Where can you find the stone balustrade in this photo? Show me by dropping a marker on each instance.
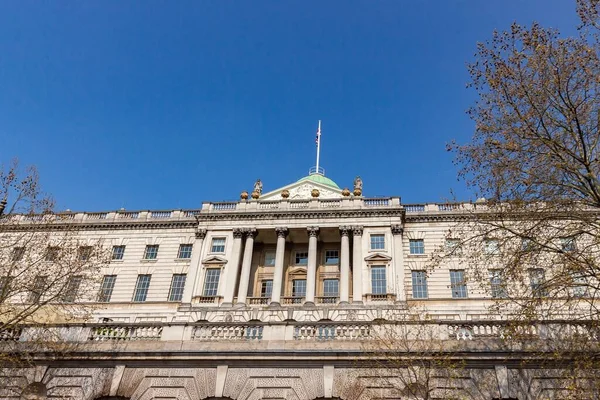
(227, 332)
(114, 332)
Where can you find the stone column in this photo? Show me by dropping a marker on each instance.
(195, 270)
(233, 267)
(311, 270)
(398, 263)
(345, 265)
(246, 265)
(278, 274)
(357, 265)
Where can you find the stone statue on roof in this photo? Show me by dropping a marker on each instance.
(358, 183)
(258, 186)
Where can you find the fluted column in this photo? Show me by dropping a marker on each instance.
(246, 265)
(398, 263)
(195, 270)
(345, 265)
(311, 270)
(278, 274)
(233, 267)
(357, 263)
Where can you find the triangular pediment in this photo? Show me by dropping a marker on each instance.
(378, 257)
(302, 191)
(214, 260)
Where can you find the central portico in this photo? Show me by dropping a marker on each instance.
(309, 243)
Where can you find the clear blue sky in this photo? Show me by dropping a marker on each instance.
(165, 104)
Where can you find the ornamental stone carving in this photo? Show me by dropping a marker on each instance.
(358, 186)
(315, 193)
(200, 233)
(238, 232)
(251, 232)
(313, 231)
(244, 195)
(281, 231)
(397, 229)
(255, 195)
(345, 230)
(258, 186)
(357, 230)
(346, 192)
(285, 194)
(304, 192)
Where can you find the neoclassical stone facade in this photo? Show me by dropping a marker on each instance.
(279, 297)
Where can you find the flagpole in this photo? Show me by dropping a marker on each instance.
(318, 145)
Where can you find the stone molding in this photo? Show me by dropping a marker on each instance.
(200, 233)
(397, 229)
(345, 230)
(238, 233)
(313, 231)
(357, 230)
(281, 231)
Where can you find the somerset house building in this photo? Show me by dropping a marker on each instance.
(280, 295)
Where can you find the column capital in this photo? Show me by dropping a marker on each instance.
(357, 230)
(200, 233)
(345, 230)
(281, 231)
(313, 231)
(397, 229)
(251, 232)
(238, 233)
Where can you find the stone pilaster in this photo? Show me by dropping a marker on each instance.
(278, 274)
(233, 267)
(311, 270)
(345, 264)
(357, 265)
(193, 275)
(398, 263)
(246, 265)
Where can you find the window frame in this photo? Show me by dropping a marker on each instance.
(371, 242)
(105, 292)
(142, 286)
(214, 284)
(71, 289)
(337, 285)
(419, 284)
(264, 285)
(296, 253)
(416, 247)
(337, 258)
(176, 291)
(497, 284)
(118, 252)
(213, 245)
(458, 287)
(265, 258)
(185, 249)
(40, 283)
(296, 293)
(151, 255)
(495, 250)
(536, 283)
(376, 287)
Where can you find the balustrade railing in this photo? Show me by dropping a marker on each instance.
(160, 214)
(449, 207)
(414, 208)
(299, 204)
(125, 333)
(330, 203)
(227, 332)
(206, 299)
(101, 215)
(191, 213)
(332, 332)
(10, 334)
(268, 205)
(381, 297)
(292, 300)
(129, 215)
(224, 206)
(326, 299)
(377, 202)
(258, 300)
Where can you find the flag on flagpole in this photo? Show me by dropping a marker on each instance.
(318, 135)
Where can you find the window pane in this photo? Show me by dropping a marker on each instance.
(211, 282)
(378, 280)
(266, 288)
(185, 251)
(270, 258)
(299, 287)
(536, 280)
(301, 258)
(490, 246)
(118, 252)
(108, 284)
(39, 286)
(417, 246)
(567, 244)
(332, 257)
(331, 287)
(177, 286)
(377, 242)
(419, 284)
(84, 253)
(497, 284)
(218, 245)
(151, 252)
(141, 288)
(457, 284)
(70, 292)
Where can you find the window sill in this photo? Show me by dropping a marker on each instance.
(417, 255)
(148, 261)
(116, 261)
(182, 260)
(377, 250)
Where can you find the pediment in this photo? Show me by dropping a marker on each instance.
(214, 260)
(378, 257)
(302, 191)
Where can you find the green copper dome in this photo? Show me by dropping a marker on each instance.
(318, 178)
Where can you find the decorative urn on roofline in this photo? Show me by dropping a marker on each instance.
(244, 195)
(315, 193)
(285, 193)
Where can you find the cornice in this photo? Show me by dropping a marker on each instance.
(121, 225)
(302, 214)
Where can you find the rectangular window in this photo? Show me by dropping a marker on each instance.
(141, 288)
(84, 253)
(567, 244)
(266, 288)
(211, 282)
(579, 286)
(218, 245)
(177, 286)
(453, 246)
(18, 253)
(378, 280)
(39, 286)
(108, 284)
(269, 258)
(332, 257)
(52, 253)
(419, 285)
(185, 251)
(331, 287)
(299, 288)
(118, 252)
(70, 292)
(378, 242)
(536, 281)
(526, 244)
(458, 284)
(490, 246)
(301, 258)
(417, 246)
(498, 286)
(151, 252)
